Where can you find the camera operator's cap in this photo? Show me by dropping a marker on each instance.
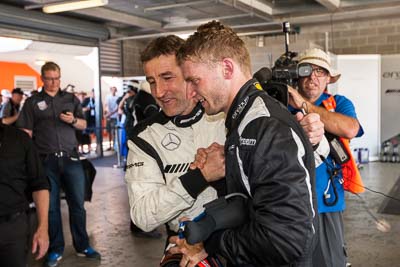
(320, 58)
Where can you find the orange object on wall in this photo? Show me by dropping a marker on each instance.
(8, 71)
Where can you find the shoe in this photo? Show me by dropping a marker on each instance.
(52, 259)
(152, 234)
(89, 253)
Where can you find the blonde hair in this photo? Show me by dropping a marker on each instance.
(213, 42)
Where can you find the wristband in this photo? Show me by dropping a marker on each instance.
(74, 121)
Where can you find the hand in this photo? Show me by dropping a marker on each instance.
(200, 159)
(106, 114)
(191, 254)
(312, 126)
(211, 162)
(295, 99)
(201, 156)
(67, 117)
(40, 243)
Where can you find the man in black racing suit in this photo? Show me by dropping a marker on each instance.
(268, 158)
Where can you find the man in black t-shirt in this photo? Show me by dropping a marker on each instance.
(21, 175)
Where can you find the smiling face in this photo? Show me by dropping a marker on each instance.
(207, 84)
(313, 86)
(168, 86)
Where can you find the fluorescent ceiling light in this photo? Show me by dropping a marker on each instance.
(13, 44)
(67, 6)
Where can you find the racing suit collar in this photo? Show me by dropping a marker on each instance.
(239, 104)
(188, 120)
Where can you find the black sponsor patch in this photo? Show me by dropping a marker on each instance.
(136, 164)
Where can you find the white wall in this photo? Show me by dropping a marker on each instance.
(390, 100)
(360, 82)
(74, 70)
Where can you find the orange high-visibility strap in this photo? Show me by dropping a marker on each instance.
(351, 175)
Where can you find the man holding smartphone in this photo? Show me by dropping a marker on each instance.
(51, 118)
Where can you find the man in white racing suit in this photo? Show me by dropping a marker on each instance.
(161, 186)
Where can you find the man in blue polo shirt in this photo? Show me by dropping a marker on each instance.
(341, 124)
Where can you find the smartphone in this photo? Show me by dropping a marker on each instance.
(65, 111)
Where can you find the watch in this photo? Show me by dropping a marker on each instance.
(75, 120)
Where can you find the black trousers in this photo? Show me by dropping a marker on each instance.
(13, 241)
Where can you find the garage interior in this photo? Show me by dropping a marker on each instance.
(363, 34)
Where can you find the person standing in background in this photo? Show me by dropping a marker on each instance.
(111, 115)
(10, 111)
(51, 118)
(89, 110)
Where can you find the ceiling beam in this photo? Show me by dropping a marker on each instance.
(351, 14)
(117, 16)
(247, 9)
(257, 5)
(33, 21)
(187, 33)
(169, 6)
(198, 22)
(332, 5)
(343, 15)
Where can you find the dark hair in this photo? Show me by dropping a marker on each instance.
(49, 66)
(165, 45)
(132, 88)
(17, 91)
(213, 42)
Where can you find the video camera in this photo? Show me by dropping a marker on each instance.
(286, 71)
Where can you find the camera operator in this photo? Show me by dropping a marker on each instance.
(340, 120)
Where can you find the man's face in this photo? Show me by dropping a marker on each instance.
(51, 80)
(16, 98)
(313, 86)
(208, 84)
(113, 90)
(168, 86)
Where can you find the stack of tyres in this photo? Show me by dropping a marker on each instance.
(387, 150)
(390, 150)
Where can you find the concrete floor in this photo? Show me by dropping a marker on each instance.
(108, 223)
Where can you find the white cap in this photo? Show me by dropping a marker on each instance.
(6, 93)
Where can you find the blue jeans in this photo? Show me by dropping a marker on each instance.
(68, 174)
